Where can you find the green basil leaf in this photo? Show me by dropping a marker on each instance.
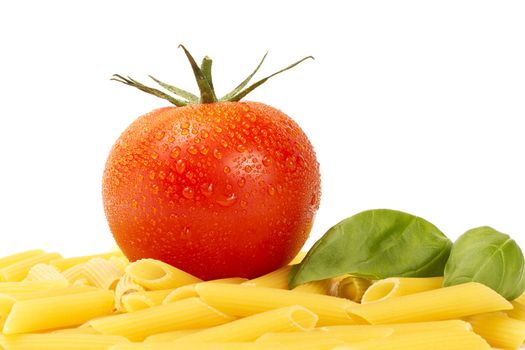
(490, 257)
(376, 244)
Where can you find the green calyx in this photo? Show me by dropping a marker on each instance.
(204, 82)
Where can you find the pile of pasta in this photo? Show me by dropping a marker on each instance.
(103, 301)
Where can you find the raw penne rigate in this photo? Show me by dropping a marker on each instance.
(103, 301)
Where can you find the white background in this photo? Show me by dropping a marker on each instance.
(411, 105)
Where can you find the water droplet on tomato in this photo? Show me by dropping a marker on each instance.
(267, 161)
(207, 189)
(248, 168)
(204, 150)
(185, 125)
(134, 203)
(241, 182)
(175, 152)
(155, 188)
(271, 190)
(160, 135)
(184, 132)
(187, 192)
(192, 150)
(204, 134)
(243, 204)
(151, 175)
(154, 155)
(227, 170)
(162, 175)
(217, 154)
(227, 201)
(180, 166)
(171, 177)
(241, 148)
(291, 163)
(217, 129)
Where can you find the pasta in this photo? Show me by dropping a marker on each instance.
(13, 259)
(242, 300)
(499, 330)
(30, 286)
(154, 275)
(101, 273)
(438, 304)
(316, 287)
(398, 328)
(395, 287)
(60, 341)
(170, 336)
(141, 300)
(18, 270)
(45, 272)
(189, 291)
(274, 279)
(57, 311)
(124, 287)
(439, 339)
(352, 288)
(184, 314)
(348, 334)
(66, 263)
(518, 311)
(293, 318)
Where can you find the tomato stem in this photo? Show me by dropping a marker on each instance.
(204, 80)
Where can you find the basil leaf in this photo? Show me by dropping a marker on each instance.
(376, 244)
(490, 257)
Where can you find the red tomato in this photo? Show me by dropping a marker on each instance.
(217, 189)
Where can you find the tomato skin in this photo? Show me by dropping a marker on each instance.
(217, 190)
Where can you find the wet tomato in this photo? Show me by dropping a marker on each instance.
(215, 188)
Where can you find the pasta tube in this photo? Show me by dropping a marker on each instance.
(57, 311)
(352, 288)
(434, 305)
(274, 279)
(124, 287)
(18, 270)
(141, 300)
(348, 334)
(242, 300)
(66, 263)
(499, 330)
(184, 314)
(189, 291)
(395, 287)
(292, 318)
(398, 328)
(154, 275)
(13, 259)
(101, 273)
(316, 287)
(518, 312)
(170, 336)
(60, 341)
(45, 272)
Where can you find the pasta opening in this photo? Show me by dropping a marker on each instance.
(132, 302)
(303, 319)
(380, 290)
(359, 320)
(144, 269)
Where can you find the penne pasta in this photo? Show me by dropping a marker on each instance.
(60, 341)
(398, 286)
(124, 287)
(13, 259)
(499, 330)
(30, 286)
(75, 273)
(120, 262)
(316, 287)
(154, 275)
(184, 314)
(101, 273)
(274, 279)
(243, 300)
(298, 258)
(57, 311)
(45, 272)
(170, 336)
(399, 328)
(77, 330)
(351, 287)
(141, 300)
(292, 318)
(18, 271)
(348, 334)
(66, 263)
(518, 311)
(189, 291)
(434, 305)
(450, 340)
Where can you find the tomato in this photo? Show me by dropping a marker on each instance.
(216, 189)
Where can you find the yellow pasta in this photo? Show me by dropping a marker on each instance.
(348, 334)
(124, 287)
(398, 328)
(141, 300)
(184, 314)
(60, 341)
(101, 273)
(45, 272)
(31, 286)
(298, 258)
(75, 273)
(77, 330)
(18, 270)
(189, 291)
(57, 311)
(351, 287)
(518, 312)
(242, 300)
(292, 318)
(316, 287)
(120, 262)
(450, 340)
(154, 274)
(13, 259)
(274, 279)
(499, 330)
(321, 344)
(434, 305)
(170, 336)
(66, 263)
(398, 286)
